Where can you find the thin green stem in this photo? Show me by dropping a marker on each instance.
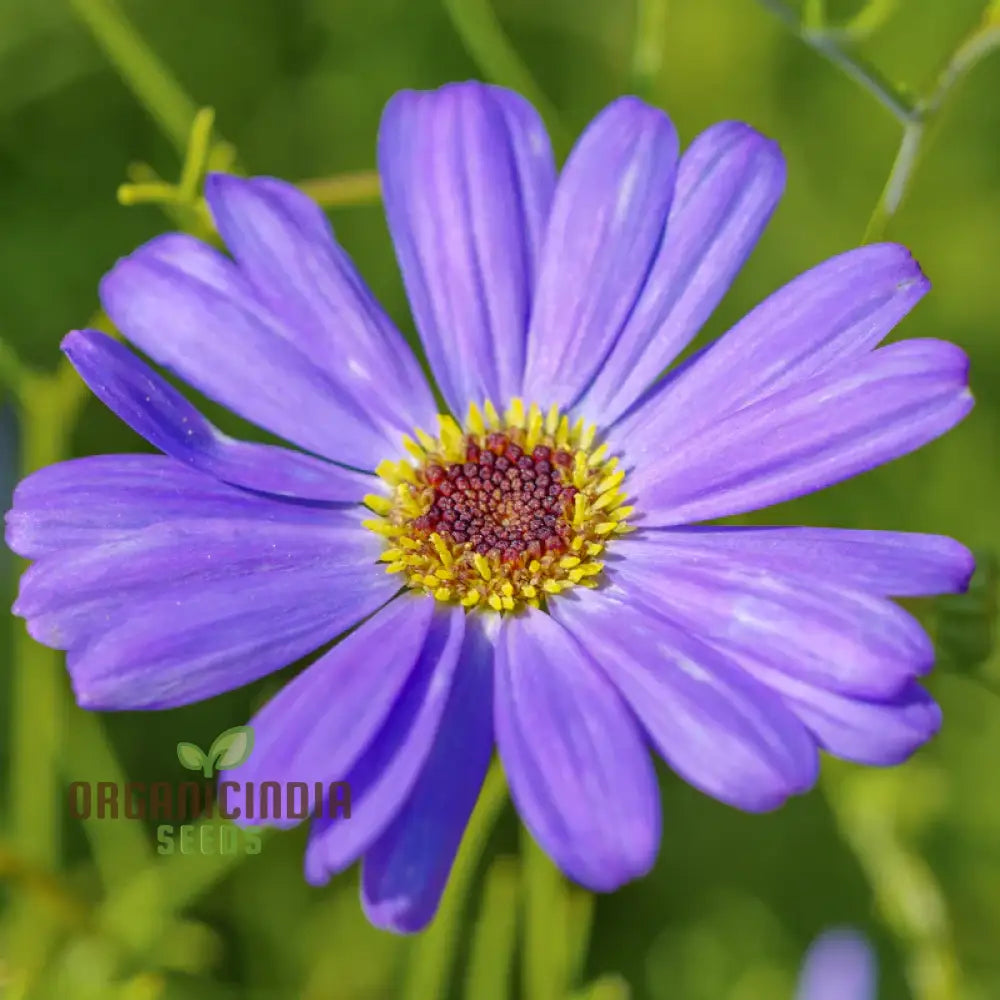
(433, 953)
(196, 155)
(358, 188)
(145, 74)
(648, 45)
(919, 118)
(897, 183)
(487, 43)
(832, 46)
(546, 925)
(495, 935)
(871, 18)
(38, 695)
(580, 920)
(918, 134)
(979, 44)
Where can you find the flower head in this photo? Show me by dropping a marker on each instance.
(488, 553)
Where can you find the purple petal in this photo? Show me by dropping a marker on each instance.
(840, 966)
(192, 311)
(467, 176)
(87, 502)
(404, 873)
(155, 410)
(383, 778)
(717, 727)
(878, 733)
(318, 726)
(889, 563)
(536, 169)
(286, 250)
(607, 221)
(728, 184)
(183, 610)
(833, 314)
(843, 640)
(577, 769)
(814, 434)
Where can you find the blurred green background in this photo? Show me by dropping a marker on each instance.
(911, 856)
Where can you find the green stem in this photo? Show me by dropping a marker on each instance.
(433, 953)
(196, 155)
(141, 69)
(495, 935)
(648, 45)
(358, 188)
(918, 134)
(580, 921)
(546, 925)
(897, 183)
(484, 38)
(38, 695)
(831, 45)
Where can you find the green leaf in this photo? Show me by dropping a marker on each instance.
(190, 756)
(231, 748)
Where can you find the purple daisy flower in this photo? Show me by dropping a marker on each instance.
(525, 569)
(840, 965)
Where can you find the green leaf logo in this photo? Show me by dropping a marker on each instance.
(228, 750)
(231, 748)
(190, 756)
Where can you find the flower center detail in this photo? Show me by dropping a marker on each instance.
(502, 512)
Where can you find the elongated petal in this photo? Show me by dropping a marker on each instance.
(467, 176)
(890, 563)
(405, 871)
(87, 502)
(578, 772)
(809, 436)
(840, 966)
(826, 317)
(607, 220)
(155, 410)
(728, 184)
(205, 325)
(717, 727)
(383, 778)
(183, 610)
(287, 252)
(318, 726)
(878, 733)
(840, 639)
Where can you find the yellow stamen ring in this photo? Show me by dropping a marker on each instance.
(502, 512)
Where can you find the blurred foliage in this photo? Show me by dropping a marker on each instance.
(94, 94)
